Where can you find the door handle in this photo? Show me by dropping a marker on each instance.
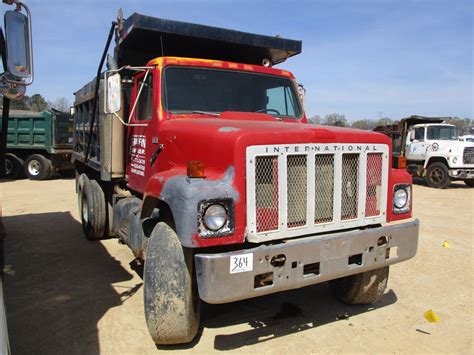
(156, 153)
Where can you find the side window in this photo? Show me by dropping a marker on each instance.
(420, 134)
(144, 110)
(281, 99)
(289, 99)
(275, 100)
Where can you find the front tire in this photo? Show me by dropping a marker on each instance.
(37, 167)
(92, 208)
(437, 176)
(364, 288)
(172, 305)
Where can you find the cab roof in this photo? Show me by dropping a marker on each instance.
(415, 120)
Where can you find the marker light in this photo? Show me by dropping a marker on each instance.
(195, 169)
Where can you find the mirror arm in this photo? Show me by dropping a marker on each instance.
(138, 96)
(130, 124)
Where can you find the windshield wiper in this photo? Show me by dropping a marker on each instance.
(216, 114)
(207, 113)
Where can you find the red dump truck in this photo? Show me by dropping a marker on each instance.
(195, 151)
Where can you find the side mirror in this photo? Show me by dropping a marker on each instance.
(18, 45)
(113, 93)
(412, 135)
(302, 92)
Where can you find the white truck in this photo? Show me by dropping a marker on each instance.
(432, 150)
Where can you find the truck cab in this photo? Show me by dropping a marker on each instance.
(202, 162)
(437, 148)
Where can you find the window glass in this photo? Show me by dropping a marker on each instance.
(442, 133)
(420, 133)
(144, 110)
(213, 90)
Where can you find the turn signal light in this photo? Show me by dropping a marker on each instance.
(400, 162)
(195, 169)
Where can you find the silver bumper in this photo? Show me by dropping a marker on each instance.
(306, 261)
(463, 173)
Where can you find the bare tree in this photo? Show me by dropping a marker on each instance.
(335, 119)
(61, 104)
(316, 119)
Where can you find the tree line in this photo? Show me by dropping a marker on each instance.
(38, 103)
(336, 119)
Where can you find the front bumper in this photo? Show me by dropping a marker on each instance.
(308, 260)
(463, 173)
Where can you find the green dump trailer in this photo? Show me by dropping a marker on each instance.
(39, 144)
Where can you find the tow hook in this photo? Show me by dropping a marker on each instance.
(278, 260)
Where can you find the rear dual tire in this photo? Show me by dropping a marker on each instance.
(13, 166)
(38, 167)
(92, 208)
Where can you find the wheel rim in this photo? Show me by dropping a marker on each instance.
(85, 211)
(437, 175)
(8, 166)
(34, 167)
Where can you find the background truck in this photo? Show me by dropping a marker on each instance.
(39, 144)
(196, 153)
(432, 150)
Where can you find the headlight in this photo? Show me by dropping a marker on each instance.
(455, 160)
(401, 198)
(215, 217)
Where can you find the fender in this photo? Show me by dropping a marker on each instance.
(182, 194)
(435, 158)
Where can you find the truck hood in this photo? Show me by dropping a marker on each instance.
(220, 142)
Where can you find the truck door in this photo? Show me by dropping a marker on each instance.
(416, 144)
(141, 132)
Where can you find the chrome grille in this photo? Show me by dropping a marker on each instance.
(373, 184)
(350, 186)
(303, 189)
(266, 193)
(296, 190)
(468, 156)
(324, 188)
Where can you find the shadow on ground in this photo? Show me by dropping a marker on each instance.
(57, 285)
(458, 184)
(274, 316)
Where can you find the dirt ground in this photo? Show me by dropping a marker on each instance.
(67, 295)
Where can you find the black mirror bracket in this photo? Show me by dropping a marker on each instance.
(10, 88)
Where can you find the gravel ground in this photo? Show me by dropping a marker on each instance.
(67, 295)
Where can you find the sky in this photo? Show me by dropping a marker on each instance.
(364, 59)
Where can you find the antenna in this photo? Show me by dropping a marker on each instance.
(162, 50)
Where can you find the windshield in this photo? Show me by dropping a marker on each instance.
(202, 90)
(442, 132)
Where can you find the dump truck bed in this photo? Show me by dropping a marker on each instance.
(49, 130)
(142, 38)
